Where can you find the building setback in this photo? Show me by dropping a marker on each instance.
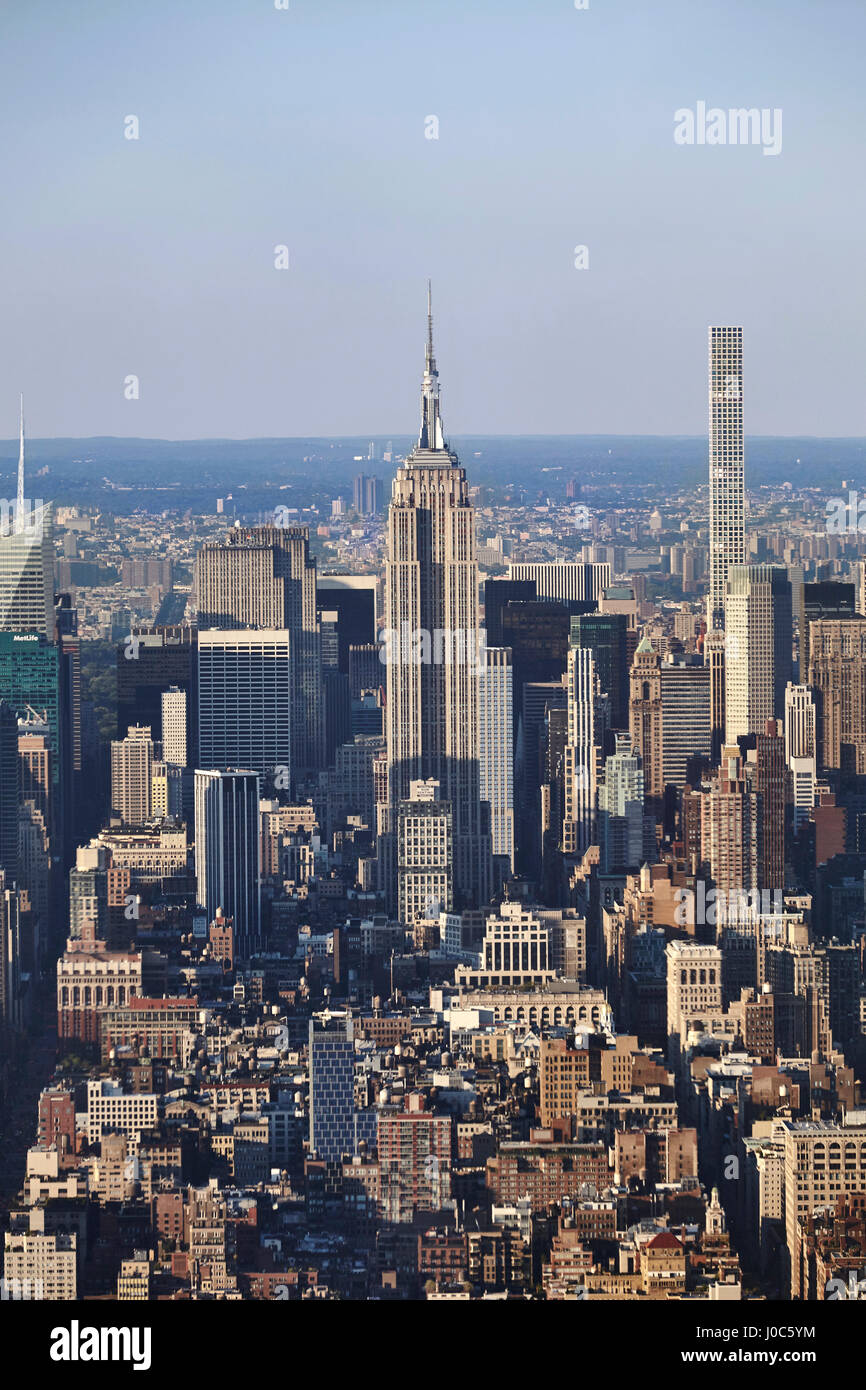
(264, 577)
(431, 587)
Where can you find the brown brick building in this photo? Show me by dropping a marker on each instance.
(546, 1172)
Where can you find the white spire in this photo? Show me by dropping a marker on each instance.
(431, 436)
(19, 509)
(430, 358)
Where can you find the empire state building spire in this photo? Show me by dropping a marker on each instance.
(431, 436)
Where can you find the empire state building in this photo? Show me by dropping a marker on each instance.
(433, 654)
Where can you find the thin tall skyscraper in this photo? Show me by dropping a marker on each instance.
(767, 771)
(729, 827)
(646, 722)
(621, 810)
(432, 632)
(332, 1094)
(26, 559)
(10, 780)
(727, 482)
(579, 825)
(714, 657)
(497, 748)
(227, 853)
(801, 749)
(174, 726)
(686, 731)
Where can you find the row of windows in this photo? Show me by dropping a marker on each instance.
(94, 998)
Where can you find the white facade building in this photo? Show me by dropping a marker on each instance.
(495, 731)
(174, 748)
(758, 647)
(726, 460)
(554, 579)
(245, 701)
(580, 754)
(801, 752)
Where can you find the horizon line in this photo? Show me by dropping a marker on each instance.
(371, 437)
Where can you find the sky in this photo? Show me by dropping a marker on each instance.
(307, 128)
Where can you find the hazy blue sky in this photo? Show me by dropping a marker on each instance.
(261, 127)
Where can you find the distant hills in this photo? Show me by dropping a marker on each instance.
(157, 474)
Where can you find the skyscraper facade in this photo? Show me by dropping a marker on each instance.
(579, 827)
(414, 1164)
(726, 458)
(34, 760)
(332, 1088)
(264, 577)
(714, 657)
(174, 726)
(578, 580)
(227, 858)
(801, 750)
(729, 828)
(621, 810)
(9, 790)
(495, 729)
(606, 636)
(758, 647)
(498, 593)
(245, 701)
(837, 675)
(431, 586)
(367, 494)
(646, 724)
(425, 854)
(151, 660)
(686, 733)
(824, 601)
(30, 679)
(131, 773)
(26, 561)
(353, 598)
(537, 700)
(769, 779)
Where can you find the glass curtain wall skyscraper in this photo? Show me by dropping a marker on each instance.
(227, 857)
(244, 701)
(26, 560)
(264, 577)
